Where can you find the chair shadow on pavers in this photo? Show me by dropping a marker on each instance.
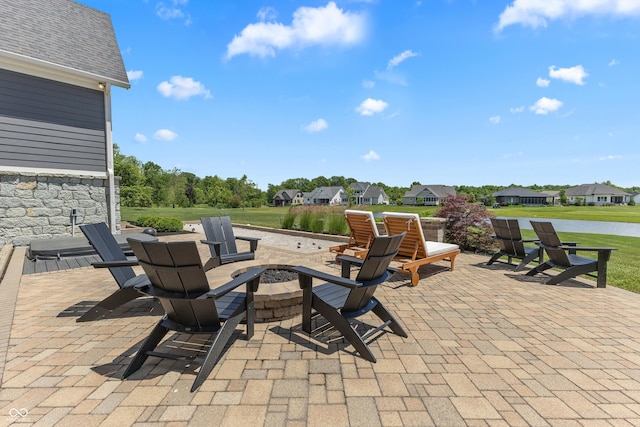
(119, 265)
(222, 242)
(177, 278)
(341, 300)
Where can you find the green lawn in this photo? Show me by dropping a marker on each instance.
(624, 266)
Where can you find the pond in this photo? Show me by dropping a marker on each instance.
(580, 226)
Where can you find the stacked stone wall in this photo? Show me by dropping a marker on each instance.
(39, 206)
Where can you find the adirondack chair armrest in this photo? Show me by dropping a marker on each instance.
(588, 248)
(251, 277)
(253, 242)
(216, 245)
(306, 275)
(110, 264)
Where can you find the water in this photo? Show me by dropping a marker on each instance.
(592, 227)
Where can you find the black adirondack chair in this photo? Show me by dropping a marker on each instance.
(177, 278)
(563, 256)
(511, 244)
(114, 258)
(222, 242)
(341, 300)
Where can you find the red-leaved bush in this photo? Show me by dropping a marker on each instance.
(468, 224)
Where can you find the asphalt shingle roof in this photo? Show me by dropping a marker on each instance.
(63, 33)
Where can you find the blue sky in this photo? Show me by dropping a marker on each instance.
(455, 92)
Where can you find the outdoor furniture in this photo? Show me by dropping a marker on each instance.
(511, 243)
(563, 256)
(120, 267)
(222, 242)
(341, 300)
(363, 230)
(177, 278)
(415, 251)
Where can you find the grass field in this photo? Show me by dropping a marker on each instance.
(623, 268)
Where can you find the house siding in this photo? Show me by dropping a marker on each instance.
(50, 125)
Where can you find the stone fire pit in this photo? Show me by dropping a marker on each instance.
(279, 296)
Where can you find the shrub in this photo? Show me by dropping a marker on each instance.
(289, 219)
(336, 223)
(468, 224)
(160, 224)
(317, 222)
(305, 220)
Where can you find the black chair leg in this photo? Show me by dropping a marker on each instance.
(539, 268)
(386, 316)
(217, 346)
(107, 305)
(149, 344)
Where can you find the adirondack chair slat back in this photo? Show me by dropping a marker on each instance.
(362, 226)
(413, 245)
(373, 270)
(548, 237)
(219, 229)
(509, 236)
(175, 268)
(100, 237)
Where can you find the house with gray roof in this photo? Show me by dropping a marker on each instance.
(366, 194)
(288, 198)
(331, 196)
(520, 196)
(59, 60)
(596, 195)
(427, 195)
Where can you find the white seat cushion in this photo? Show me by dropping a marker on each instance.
(437, 248)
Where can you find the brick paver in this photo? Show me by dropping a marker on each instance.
(486, 346)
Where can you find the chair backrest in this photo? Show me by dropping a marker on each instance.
(549, 238)
(509, 236)
(219, 229)
(100, 237)
(413, 245)
(175, 271)
(373, 271)
(363, 227)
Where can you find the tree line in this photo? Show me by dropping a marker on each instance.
(148, 184)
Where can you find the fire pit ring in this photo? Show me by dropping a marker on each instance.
(279, 296)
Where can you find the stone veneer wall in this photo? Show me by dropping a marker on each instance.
(38, 206)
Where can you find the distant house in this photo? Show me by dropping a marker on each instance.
(553, 197)
(58, 62)
(636, 198)
(331, 196)
(288, 198)
(597, 195)
(366, 194)
(520, 196)
(427, 195)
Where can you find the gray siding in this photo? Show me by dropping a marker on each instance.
(47, 124)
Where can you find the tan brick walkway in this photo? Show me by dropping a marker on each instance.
(486, 346)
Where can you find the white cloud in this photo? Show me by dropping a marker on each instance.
(371, 155)
(542, 82)
(545, 105)
(134, 75)
(535, 13)
(140, 137)
(613, 62)
(267, 14)
(610, 157)
(572, 75)
(396, 60)
(494, 120)
(316, 126)
(179, 87)
(327, 25)
(368, 84)
(173, 11)
(370, 106)
(165, 135)
(515, 110)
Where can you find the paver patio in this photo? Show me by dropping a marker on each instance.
(486, 346)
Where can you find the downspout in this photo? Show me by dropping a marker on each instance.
(110, 167)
